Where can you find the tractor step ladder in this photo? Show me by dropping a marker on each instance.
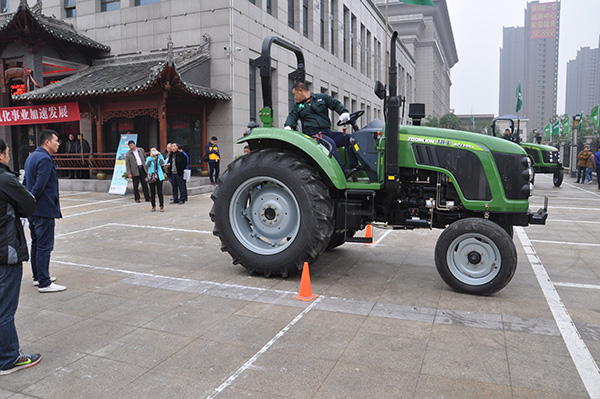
(362, 196)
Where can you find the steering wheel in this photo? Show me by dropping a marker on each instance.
(353, 118)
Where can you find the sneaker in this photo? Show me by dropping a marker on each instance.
(590, 182)
(36, 283)
(53, 288)
(24, 361)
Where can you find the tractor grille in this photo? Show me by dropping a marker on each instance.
(511, 170)
(551, 156)
(534, 154)
(463, 164)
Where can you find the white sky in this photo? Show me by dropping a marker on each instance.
(477, 27)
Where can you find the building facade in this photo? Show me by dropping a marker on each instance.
(583, 81)
(343, 42)
(530, 55)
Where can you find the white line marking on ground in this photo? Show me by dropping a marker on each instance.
(566, 198)
(75, 193)
(91, 203)
(585, 244)
(573, 208)
(81, 231)
(581, 189)
(578, 285)
(376, 243)
(253, 359)
(571, 221)
(97, 210)
(584, 362)
(160, 228)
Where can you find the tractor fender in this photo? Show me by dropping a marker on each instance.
(299, 143)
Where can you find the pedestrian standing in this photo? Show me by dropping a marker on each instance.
(214, 160)
(590, 166)
(155, 163)
(15, 202)
(82, 147)
(136, 170)
(597, 161)
(42, 182)
(187, 172)
(582, 158)
(71, 148)
(178, 162)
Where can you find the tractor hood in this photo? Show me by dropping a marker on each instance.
(539, 146)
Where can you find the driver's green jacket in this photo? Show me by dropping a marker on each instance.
(314, 113)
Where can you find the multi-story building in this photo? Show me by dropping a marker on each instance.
(530, 55)
(199, 56)
(583, 81)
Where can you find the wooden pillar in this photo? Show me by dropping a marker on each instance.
(99, 140)
(204, 133)
(162, 121)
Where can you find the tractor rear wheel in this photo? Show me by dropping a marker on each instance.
(476, 256)
(558, 177)
(338, 238)
(272, 212)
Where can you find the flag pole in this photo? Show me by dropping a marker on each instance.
(386, 40)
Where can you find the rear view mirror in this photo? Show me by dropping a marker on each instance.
(380, 90)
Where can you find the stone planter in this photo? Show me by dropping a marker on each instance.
(101, 176)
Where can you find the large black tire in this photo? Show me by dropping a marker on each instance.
(475, 256)
(557, 179)
(272, 212)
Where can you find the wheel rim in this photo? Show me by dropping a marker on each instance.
(264, 215)
(474, 259)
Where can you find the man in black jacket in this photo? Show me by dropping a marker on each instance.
(15, 203)
(178, 163)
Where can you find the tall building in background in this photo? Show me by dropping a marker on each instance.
(583, 81)
(530, 55)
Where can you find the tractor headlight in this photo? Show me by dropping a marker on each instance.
(526, 161)
(527, 189)
(527, 174)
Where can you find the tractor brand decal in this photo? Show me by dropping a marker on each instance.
(441, 142)
(464, 145)
(421, 140)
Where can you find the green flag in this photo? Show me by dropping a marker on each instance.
(519, 97)
(547, 130)
(555, 128)
(473, 122)
(565, 126)
(594, 116)
(418, 2)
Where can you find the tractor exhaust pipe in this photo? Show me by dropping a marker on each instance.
(392, 122)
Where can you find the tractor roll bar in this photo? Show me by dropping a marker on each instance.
(264, 63)
(392, 121)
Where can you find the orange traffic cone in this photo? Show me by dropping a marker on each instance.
(305, 293)
(369, 234)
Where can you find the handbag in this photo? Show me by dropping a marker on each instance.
(153, 177)
(206, 158)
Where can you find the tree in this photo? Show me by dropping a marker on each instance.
(451, 121)
(432, 121)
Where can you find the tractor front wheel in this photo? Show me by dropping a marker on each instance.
(272, 212)
(558, 177)
(475, 256)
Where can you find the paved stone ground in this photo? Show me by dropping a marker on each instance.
(155, 310)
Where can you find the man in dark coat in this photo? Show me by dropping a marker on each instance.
(135, 161)
(42, 182)
(15, 202)
(178, 163)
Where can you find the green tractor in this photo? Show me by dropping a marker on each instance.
(545, 158)
(288, 201)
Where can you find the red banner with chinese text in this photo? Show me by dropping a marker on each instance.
(36, 114)
(544, 20)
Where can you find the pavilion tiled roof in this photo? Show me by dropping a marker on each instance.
(52, 26)
(130, 74)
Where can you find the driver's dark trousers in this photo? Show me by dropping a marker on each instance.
(343, 140)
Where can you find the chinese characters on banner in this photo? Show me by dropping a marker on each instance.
(544, 20)
(36, 114)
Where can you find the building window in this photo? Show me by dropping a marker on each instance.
(70, 11)
(4, 6)
(333, 23)
(252, 78)
(144, 2)
(305, 18)
(110, 5)
(252, 1)
(291, 15)
(346, 35)
(269, 7)
(322, 22)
